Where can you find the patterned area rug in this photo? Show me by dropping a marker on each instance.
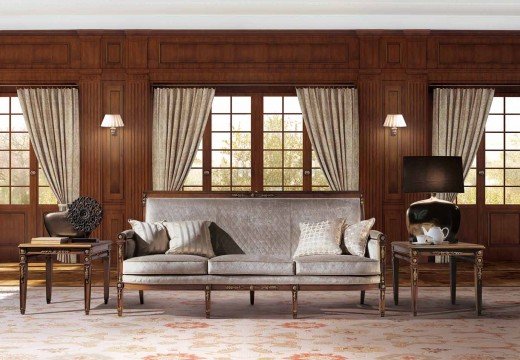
(332, 326)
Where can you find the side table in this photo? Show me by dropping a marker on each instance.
(410, 252)
(91, 251)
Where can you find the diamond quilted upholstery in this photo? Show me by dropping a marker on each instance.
(164, 264)
(250, 265)
(268, 226)
(336, 265)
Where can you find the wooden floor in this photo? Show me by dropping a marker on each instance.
(495, 274)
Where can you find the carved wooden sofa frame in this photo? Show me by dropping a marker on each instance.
(126, 236)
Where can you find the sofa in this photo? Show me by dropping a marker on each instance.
(254, 239)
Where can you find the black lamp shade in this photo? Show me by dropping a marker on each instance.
(433, 174)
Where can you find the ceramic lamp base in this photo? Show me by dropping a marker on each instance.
(433, 212)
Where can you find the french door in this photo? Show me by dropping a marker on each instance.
(490, 205)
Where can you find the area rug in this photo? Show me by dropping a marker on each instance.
(332, 326)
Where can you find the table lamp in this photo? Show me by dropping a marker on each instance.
(433, 174)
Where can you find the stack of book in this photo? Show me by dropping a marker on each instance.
(49, 240)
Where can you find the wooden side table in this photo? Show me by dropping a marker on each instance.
(411, 252)
(91, 251)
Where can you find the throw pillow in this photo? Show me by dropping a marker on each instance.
(320, 238)
(355, 237)
(222, 242)
(190, 238)
(150, 238)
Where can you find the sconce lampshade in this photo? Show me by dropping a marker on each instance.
(112, 121)
(394, 121)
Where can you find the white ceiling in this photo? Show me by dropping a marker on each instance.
(260, 14)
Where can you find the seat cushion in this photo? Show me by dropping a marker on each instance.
(243, 264)
(165, 264)
(336, 265)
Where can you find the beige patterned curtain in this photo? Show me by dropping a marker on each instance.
(179, 118)
(52, 119)
(332, 121)
(459, 120)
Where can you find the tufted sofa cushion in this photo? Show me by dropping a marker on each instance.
(163, 264)
(336, 265)
(241, 264)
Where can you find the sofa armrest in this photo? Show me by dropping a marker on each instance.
(376, 240)
(126, 243)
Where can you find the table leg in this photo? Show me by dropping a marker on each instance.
(395, 278)
(453, 279)
(479, 264)
(23, 280)
(106, 276)
(48, 278)
(414, 277)
(87, 283)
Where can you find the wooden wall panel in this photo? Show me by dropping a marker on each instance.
(14, 225)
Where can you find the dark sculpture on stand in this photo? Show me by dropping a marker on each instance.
(82, 217)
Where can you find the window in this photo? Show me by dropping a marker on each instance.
(501, 151)
(255, 142)
(16, 157)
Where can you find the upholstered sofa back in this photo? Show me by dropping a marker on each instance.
(257, 225)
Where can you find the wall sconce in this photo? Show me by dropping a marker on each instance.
(112, 121)
(394, 121)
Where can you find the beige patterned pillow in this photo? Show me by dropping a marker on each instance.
(190, 238)
(151, 238)
(320, 238)
(355, 237)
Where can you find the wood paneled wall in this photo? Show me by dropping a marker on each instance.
(115, 72)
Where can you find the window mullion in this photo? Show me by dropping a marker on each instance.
(307, 161)
(206, 157)
(257, 146)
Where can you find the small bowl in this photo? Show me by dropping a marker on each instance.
(424, 239)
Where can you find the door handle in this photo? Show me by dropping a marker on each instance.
(481, 172)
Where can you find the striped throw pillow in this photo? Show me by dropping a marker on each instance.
(151, 238)
(190, 238)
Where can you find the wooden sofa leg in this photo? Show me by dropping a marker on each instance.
(362, 297)
(252, 297)
(120, 287)
(207, 293)
(382, 300)
(295, 301)
(141, 296)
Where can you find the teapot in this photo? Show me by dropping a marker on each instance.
(436, 233)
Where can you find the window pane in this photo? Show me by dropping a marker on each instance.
(513, 105)
(241, 159)
(495, 123)
(471, 178)
(494, 195)
(45, 196)
(293, 123)
(291, 105)
(494, 177)
(220, 123)
(192, 188)
(220, 177)
(512, 122)
(197, 162)
(194, 178)
(273, 123)
(4, 195)
(469, 197)
(4, 159)
(42, 180)
(494, 159)
(241, 177)
(293, 141)
(241, 140)
(220, 188)
(513, 141)
(4, 122)
(20, 195)
(318, 178)
(512, 159)
(4, 105)
(272, 177)
(4, 141)
(20, 141)
(273, 141)
(18, 123)
(497, 106)
(494, 141)
(272, 104)
(241, 123)
(4, 177)
(220, 159)
(20, 177)
(293, 177)
(241, 104)
(20, 159)
(273, 159)
(15, 106)
(221, 140)
(293, 159)
(512, 195)
(513, 177)
(221, 104)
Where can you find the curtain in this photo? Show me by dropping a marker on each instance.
(459, 120)
(52, 119)
(332, 121)
(179, 118)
